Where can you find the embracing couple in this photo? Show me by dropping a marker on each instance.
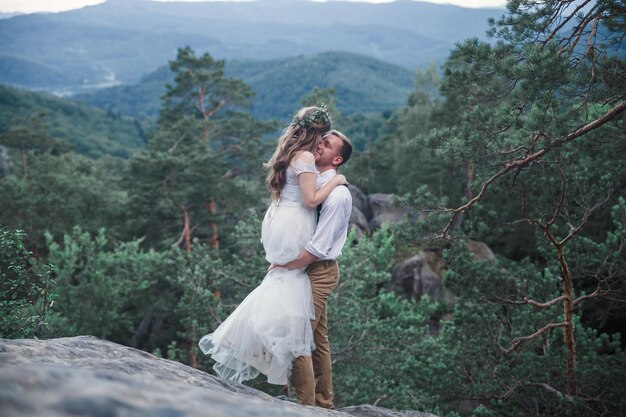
(280, 328)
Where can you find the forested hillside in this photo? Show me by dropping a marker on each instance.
(514, 146)
(361, 85)
(90, 131)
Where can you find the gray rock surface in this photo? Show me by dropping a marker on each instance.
(415, 277)
(371, 411)
(360, 201)
(423, 272)
(358, 222)
(481, 251)
(384, 211)
(86, 376)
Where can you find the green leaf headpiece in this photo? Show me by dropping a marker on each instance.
(318, 117)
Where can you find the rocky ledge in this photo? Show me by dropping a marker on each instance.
(86, 376)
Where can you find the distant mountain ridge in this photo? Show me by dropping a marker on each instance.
(120, 40)
(362, 84)
(8, 15)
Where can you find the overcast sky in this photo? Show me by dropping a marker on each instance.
(30, 6)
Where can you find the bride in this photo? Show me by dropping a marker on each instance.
(271, 326)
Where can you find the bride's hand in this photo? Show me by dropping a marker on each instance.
(341, 179)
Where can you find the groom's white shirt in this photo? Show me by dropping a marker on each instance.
(332, 227)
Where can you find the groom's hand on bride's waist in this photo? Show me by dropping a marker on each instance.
(302, 261)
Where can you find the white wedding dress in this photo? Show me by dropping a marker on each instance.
(271, 326)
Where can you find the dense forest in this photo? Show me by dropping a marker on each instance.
(88, 131)
(363, 84)
(143, 229)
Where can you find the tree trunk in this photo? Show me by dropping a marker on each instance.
(214, 243)
(469, 177)
(568, 330)
(186, 231)
(205, 114)
(193, 359)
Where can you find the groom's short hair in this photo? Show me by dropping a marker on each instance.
(346, 149)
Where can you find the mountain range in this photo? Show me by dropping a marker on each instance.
(362, 84)
(119, 41)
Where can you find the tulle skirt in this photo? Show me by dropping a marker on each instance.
(272, 325)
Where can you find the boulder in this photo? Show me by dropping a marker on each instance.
(384, 211)
(359, 223)
(481, 251)
(90, 377)
(416, 276)
(422, 273)
(360, 201)
(379, 203)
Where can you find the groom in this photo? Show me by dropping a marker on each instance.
(311, 375)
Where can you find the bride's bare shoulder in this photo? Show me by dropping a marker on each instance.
(304, 156)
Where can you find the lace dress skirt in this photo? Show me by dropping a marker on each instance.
(271, 326)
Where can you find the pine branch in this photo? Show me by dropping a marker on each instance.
(551, 390)
(524, 161)
(565, 21)
(526, 301)
(519, 341)
(597, 293)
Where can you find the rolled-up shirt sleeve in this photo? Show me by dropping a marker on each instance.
(332, 226)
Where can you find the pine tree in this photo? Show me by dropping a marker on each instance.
(540, 126)
(205, 151)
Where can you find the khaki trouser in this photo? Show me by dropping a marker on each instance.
(312, 375)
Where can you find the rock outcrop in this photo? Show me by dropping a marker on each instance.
(90, 377)
(423, 272)
(370, 212)
(359, 201)
(384, 211)
(420, 275)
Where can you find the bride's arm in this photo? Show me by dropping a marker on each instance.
(311, 196)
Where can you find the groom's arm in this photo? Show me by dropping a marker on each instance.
(304, 259)
(330, 232)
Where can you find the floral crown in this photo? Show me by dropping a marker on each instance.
(320, 116)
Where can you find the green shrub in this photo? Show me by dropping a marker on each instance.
(25, 295)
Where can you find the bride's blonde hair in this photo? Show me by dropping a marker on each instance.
(300, 135)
